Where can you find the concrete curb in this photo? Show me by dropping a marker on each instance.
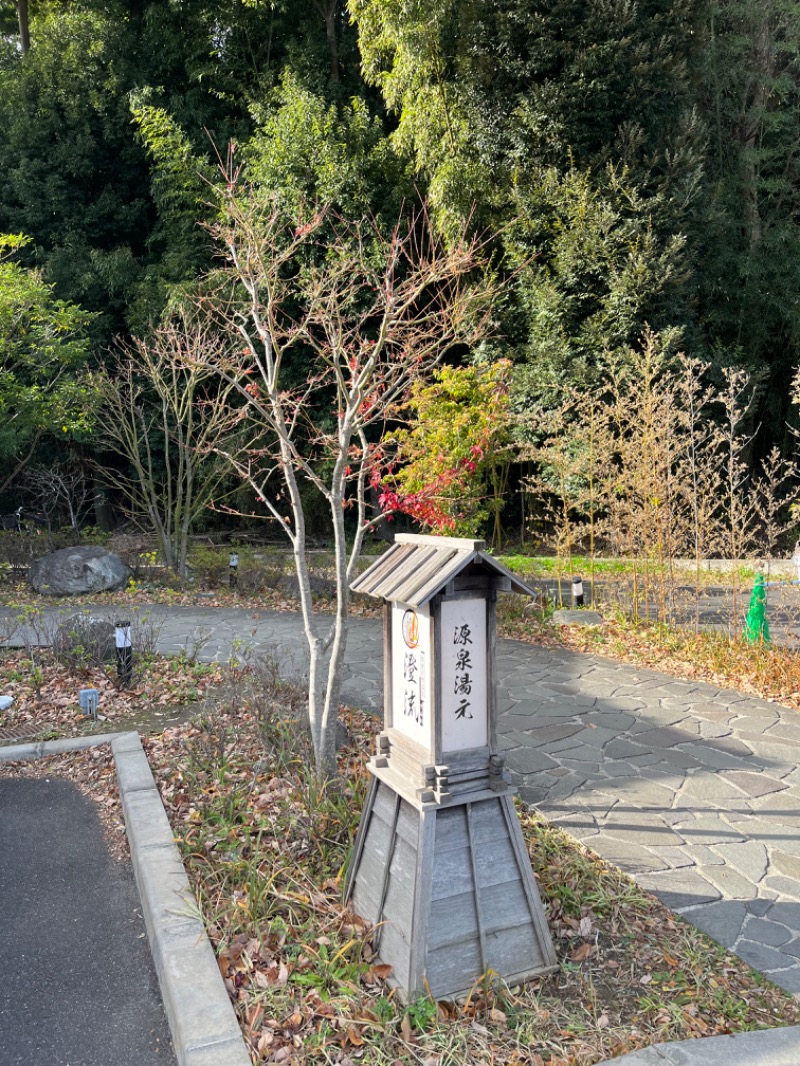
(40, 749)
(204, 1028)
(766, 1047)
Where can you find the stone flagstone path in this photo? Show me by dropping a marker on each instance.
(692, 790)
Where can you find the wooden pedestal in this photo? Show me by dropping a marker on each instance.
(450, 890)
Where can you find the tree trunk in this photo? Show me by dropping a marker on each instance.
(752, 126)
(24, 26)
(329, 9)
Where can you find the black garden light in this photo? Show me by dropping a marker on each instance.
(122, 637)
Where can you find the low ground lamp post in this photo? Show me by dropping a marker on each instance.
(122, 640)
(439, 865)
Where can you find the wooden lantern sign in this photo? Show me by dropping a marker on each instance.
(439, 865)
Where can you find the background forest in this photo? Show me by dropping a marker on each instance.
(629, 170)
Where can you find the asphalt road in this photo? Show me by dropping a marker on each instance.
(77, 984)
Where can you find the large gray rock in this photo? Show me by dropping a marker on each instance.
(75, 571)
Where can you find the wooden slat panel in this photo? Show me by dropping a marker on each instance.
(403, 867)
(422, 898)
(451, 829)
(514, 830)
(398, 907)
(452, 874)
(401, 586)
(453, 968)
(514, 950)
(370, 581)
(378, 838)
(395, 950)
(496, 862)
(451, 565)
(478, 903)
(408, 824)
(504, 906)
(452, 920)
(384, 803)
(428, 569)
(488, 821)
(459, 762)
(361, 836)
(367, 888)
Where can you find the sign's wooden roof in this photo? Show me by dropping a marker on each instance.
(416, 568)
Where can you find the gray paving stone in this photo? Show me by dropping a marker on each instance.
(730, 883)
(661, 737)
(758, 907)
(761, 956)
(526, 760)
(618, 721)
(783, 810)
(712, 730)
(595, 736)
(711, 755)
(789, 981)
(712, 711)
(675, 757)
(562, 709)
(762, 931)
(648, 759)
(635, 860)
(539, 736)
(526, 708)
(676, 858)
(749, 858)
(702, 855)
(583, 753)
(785, 913)
(639, 827)
(628, 705)
(784, 731)
(784, 886)
(623, 748)
(644, 793)
(702, 785)
(707, 829)
(722, 921)
(786, 864)
(680, 889)
(752, 784)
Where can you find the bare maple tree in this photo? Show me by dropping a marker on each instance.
(164, 413)
(334, 321)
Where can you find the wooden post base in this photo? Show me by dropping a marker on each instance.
(450, 890)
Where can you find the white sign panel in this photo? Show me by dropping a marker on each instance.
(463, 687)
(411, 672)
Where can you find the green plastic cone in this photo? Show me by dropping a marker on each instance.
(756, 626)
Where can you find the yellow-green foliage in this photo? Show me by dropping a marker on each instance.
(455, 455)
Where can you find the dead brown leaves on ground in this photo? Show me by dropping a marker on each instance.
(46, 693)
